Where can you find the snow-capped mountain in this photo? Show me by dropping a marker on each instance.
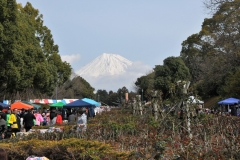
(111, 72)
(105, 64)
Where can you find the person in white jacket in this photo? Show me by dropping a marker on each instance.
(81, 120)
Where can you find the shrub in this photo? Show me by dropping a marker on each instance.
(67, 149)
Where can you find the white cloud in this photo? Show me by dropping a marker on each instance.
(71, 58)
(114, 82)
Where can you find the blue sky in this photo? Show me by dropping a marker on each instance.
(139, 30)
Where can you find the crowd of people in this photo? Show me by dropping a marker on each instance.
(13, 121)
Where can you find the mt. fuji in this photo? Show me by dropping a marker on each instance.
(106, 64)
(111, 72)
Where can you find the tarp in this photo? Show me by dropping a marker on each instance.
(229, 101)
(4, 105)
(20, 105)
(91, 101)
(58, 104)
(192, 99)
(77, 103)
(51, 101)
(35, 106)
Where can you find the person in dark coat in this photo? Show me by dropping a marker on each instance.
(53, 113)
(21, 115)
(2, 113)
(3, 127)
(65, 114)
(28, 120)
(90, 112)
(72, 118)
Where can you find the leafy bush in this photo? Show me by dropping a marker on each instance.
(67, 149)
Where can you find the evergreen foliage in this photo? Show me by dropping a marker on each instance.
(29, 58)
(164, 77)
(77, 88)
(214, 53)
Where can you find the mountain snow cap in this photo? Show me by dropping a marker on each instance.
(105, 64)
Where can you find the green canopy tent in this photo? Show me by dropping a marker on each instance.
(58, 104)
(35, 106)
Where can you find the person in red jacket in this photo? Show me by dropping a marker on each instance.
(59, 118)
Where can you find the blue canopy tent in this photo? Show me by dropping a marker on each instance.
(5, 106)
(91, 101)
(80, 103)
(77, 104)
(229, 101)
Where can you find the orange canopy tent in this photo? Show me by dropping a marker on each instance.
(20, 105)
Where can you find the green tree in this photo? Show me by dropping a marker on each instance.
(145, 83)
(113, 99)
(10, 59)
(195, 54)
(102, 96)
(29, 58)
(122, 93)
(214, 52)
(232, 85)
(214, 5)
(168, 74)
(77, 88)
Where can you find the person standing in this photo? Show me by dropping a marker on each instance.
(82, 120)
(7, 119)
(21, 115)
(65, 116)
(44, 123)
(72, 117)
(3, 127)
(14, 121)
(53, 116)
(28, 120)
(2, 113)
(59, 118)
(39, 118)
(48, 117)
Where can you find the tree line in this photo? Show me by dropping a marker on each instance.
(209, 59)
(78, 88)
(30, 62)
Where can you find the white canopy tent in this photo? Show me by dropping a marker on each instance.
(192, 99)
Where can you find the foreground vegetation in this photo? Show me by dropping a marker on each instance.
(120, 135)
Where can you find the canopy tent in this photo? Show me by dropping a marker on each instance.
(20, 105)
(78, 103)
(58, 104)
(229, 101)
(35, 106)
(91, 101)
(5, 106)
(192, 99)
(52, 101)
